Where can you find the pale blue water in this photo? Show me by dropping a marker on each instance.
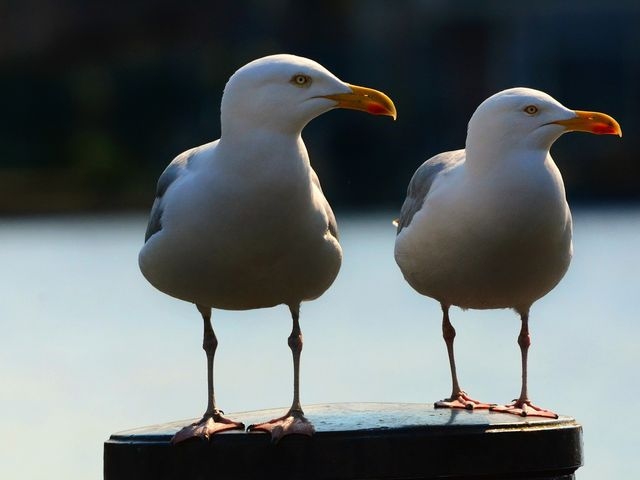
(88, 348)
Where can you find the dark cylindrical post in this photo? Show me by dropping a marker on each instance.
(359, 441)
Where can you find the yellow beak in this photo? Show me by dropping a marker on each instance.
(366, 100)
(592, 122)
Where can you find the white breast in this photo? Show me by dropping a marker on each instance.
(241, 237)
(493, 240)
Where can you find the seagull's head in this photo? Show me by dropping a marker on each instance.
(524, 118)
(284, 92)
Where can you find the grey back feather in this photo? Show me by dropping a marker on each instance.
(422, 181)
(173, 171)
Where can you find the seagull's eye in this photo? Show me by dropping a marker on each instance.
(531, 109)
(300, 80)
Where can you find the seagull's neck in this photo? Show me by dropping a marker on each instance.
(502, 153)
(270, 151)
(260, 139)
(486, 149)
(242, 124)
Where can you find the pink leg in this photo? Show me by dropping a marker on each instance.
(294, 421)
(212, 421)
(522, 405)
(458, 398)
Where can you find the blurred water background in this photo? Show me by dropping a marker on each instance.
(96, 99)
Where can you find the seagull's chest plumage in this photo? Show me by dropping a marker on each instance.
(495, 238)
(244, 230)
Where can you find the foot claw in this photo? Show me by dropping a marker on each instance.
(462, 400)
(524, 408)
(210, 424)
(292, 423)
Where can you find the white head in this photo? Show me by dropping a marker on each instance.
(526, 119)
(284, 92)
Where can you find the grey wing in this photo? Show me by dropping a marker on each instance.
(421, 182)
(173, 171)
(333, 225)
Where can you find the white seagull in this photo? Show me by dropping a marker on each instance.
(242, 223)
(489, 226)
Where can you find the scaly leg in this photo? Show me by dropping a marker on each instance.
(212, 421)
(458, 398)
(522, 405)
(294, 421)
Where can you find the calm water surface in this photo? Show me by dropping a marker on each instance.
(88, 348)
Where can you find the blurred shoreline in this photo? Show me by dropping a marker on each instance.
(97, 100)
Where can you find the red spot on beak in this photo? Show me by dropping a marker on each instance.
(603, 129)
(376, 109)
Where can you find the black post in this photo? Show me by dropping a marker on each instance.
(359, 441)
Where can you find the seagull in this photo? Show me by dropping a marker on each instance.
(489, 226)
(241, 223)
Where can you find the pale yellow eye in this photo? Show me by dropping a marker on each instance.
(531, 109)
(301, 80)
